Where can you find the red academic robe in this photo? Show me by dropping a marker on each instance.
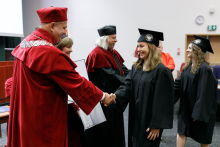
(168, 60)
(42, 78)
(107, 71)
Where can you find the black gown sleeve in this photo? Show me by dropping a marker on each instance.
(177, 88)
(125, 69)
(162, 107)
(206, 96)
(123, 93)
(108, 78)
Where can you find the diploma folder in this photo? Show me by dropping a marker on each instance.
(96, 116)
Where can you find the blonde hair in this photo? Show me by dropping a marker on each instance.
(199, 57)
(154, 58)
(101, 42)
(65, 42)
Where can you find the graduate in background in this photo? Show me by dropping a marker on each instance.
(197, 90)
(76, 135)
(149, 89)
(167, 59)
(42, 78)
(106, 70)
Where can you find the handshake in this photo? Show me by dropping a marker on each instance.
(109, 99)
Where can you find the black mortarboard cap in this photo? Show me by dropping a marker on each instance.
(149, 36)
(203, 44)
(107, 30)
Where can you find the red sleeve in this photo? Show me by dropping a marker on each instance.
(170, 64)
(100, 58)
(82, 91)
(8, 86)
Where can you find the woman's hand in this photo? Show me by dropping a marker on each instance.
(154, 133)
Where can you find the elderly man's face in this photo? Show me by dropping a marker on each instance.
(111, 41)
(59, 29)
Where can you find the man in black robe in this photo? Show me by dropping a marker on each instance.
(106, 70)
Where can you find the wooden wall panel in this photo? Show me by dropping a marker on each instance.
(5, 63)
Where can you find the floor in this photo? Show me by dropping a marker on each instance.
(169, 136)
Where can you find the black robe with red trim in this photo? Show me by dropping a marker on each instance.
(107, 71)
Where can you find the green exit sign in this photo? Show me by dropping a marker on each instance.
(212, 27)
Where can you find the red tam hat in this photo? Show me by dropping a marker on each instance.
(52, 14)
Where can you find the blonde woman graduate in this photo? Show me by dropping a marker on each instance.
(148, 89)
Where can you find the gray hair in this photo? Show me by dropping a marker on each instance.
(101, 42)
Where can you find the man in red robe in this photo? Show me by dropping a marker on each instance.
(42, 78)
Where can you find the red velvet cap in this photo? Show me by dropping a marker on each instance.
(52, 14)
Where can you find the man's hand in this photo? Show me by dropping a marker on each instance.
(112, 95)
(154, 133)
(108, 100)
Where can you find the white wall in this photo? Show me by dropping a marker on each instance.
(12, 14)
(174, 18)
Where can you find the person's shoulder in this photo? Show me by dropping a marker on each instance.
(161, 66)
(46, 49)
(204, 66)
(97, 51)
(133, 67)
(116, 51)
(167, 54)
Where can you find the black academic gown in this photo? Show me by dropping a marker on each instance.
(198, 100)
(111, 132)
(150, 94)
